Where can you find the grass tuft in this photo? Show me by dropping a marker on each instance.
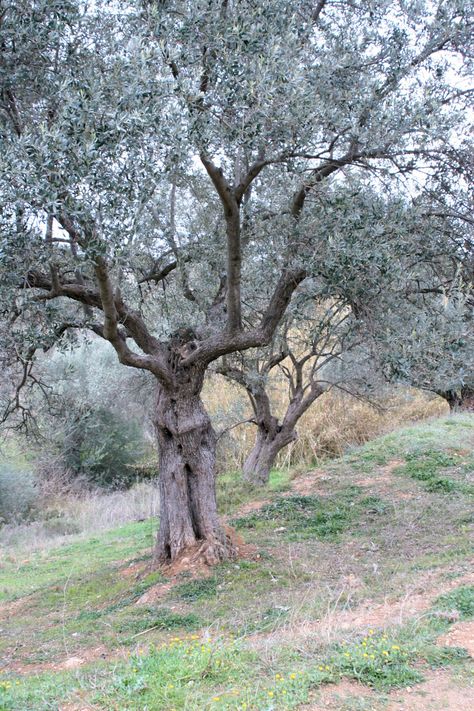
(313, 516)
(460, 600)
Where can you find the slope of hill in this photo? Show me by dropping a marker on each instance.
(354, 592)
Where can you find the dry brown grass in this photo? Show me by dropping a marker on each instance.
(335, 422)
(68, 517)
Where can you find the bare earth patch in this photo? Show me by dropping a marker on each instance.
(385, 482)
(440, 692)
(87, 656)
(335, 695)
(461, 634)
(307, 483)
(135, 570)
(155, 593)
(10, 609)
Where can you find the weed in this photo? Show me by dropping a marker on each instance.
(460, 600)
(376, 661)
(426, 465)
(197, 589)
(156, 619)
(312, 516)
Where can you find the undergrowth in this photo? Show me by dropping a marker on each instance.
(428, 466)
(460, 601)
(371, 542)
(308, 516)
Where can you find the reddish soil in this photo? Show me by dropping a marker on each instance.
(73, 662)
(461, 634)
(333, 696)
(440, 692)
(308, 483)
(134, 570)
(10, 609)
(194, 564)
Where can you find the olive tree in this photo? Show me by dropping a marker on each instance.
(181, 151)
(299, 356)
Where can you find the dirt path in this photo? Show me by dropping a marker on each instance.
(440, 692)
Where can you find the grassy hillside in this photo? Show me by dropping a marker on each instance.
(354, 592)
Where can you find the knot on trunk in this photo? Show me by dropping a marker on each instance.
(182, 343)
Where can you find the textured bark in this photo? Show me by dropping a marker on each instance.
(261, 459)
(273, 435)
(188, 512)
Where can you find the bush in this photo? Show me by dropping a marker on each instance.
(101, 447)
(17, 493)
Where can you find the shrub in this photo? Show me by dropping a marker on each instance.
(17, 493)
(101, 447)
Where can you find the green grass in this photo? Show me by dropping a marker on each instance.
(150, 618)
(460, 601)
(449, 433)
(312, 516)
(33, 573)
(190, 673)
(429, 466)
(197, 589)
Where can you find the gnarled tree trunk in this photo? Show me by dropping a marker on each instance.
(188, 510)
(261, 459)
(273, 435)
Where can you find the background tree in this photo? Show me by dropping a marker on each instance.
(300, 356)
(93, 426)
(133, 136)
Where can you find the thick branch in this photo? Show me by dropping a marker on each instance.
(115, 311)
(113, 306)
(318, 10)
(158, 275)
(222, 343)
(234, 252)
